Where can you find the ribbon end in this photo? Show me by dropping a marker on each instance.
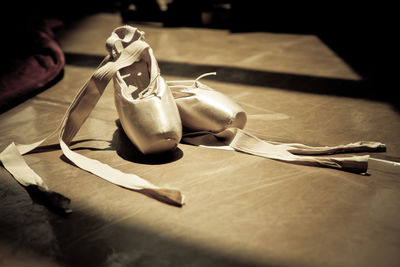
(355, 164)
(168, 196)
(52, 200)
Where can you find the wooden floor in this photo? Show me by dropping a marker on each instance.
(240, 210)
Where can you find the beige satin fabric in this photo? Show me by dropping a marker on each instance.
(204, 109)
(153, 123)
(209, 119)
(76, 115)
(213, 120)
(146, 108)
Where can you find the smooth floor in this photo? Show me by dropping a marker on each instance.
(241, 210)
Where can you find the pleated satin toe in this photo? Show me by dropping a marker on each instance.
(203, 109)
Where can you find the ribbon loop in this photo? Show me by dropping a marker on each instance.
(125, 46)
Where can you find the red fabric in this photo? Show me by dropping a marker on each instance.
(34, 63)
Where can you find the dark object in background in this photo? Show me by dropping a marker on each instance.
(179, 13)
(32, 62)
(359, 33)
(141, 10)
(31, 58)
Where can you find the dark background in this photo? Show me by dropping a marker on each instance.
(361, 34)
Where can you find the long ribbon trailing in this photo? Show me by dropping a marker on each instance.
(75, 116)
(243, 141)
(240, 140)
(123, 53)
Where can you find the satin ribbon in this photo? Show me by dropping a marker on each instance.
(243, 141)
(124, 52)
(193, 94)
(75, 116)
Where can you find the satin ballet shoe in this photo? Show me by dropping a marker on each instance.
(147, 111)
(203, 109)
(213, 120)
(146, 107)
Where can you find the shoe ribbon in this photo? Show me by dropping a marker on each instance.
(243, 141)
(125, 47)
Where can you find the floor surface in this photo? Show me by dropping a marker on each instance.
(240, 210)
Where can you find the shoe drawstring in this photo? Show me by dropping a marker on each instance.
(193, 83)
(205, 75)
(202, 76)
(151, 89)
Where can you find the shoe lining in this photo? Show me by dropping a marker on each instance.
(136, 78)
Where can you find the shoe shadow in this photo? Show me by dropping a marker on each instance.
(128, 151)
(124, 148)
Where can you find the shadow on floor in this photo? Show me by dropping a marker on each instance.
(360, 34)
(126, 150)
(123, 147)
(31, 233)
(363, 89)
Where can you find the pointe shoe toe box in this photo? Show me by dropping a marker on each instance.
(209, 110)
(152, 124)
